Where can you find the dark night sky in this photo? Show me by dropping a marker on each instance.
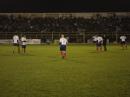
(63, 5)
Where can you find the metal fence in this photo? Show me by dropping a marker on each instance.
(73, 37)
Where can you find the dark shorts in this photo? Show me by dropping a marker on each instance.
(15, 44)
(98, 44)
(63, 48)
(94, 41)
(23, 46)
(123, 42)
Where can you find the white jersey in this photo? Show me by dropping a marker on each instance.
(123, 38)
(23, 40)
(99, 39)
(15, 39)
(63, 41)
(94, 38)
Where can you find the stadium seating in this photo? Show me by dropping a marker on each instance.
(100, 24)
(62, 24)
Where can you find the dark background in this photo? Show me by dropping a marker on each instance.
(64, 5)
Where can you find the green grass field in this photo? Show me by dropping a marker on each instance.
(85, 73)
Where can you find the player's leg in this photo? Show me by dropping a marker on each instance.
(64, 54)
(64, 51)
(13, 48)
(122, 45)
(100, 48)
(105, 48)
(61, 51)
(97, 46)
(24, 48)
(18, 48)
(125, 45)
(100, 44)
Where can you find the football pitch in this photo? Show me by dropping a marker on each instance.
(41, 72)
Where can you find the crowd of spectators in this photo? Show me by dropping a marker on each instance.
(11, 23)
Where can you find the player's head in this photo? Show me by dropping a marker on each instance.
(62, 35)
(23, 36)
(16, 35)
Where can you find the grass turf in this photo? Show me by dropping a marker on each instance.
(85, 73)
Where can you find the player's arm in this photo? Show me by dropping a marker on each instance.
(67, 42)
(101, 40)
(19, 42)
(13, 40)
(120, 38)
(126, 38)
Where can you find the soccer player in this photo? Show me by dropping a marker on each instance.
(16, 43)
(99, 43)
(123, 42)
(63, 43)
(94, 38)
(104, 42)
(23, 43)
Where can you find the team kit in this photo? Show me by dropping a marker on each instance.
(98, 40)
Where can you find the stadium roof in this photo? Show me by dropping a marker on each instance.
(64, 5)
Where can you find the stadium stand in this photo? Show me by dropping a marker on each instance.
(74, 27)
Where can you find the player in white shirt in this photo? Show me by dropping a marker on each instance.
(123, 42)
(23, 43)
(94, 38)
(16, 43)
(63, 43)
(99, 42)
